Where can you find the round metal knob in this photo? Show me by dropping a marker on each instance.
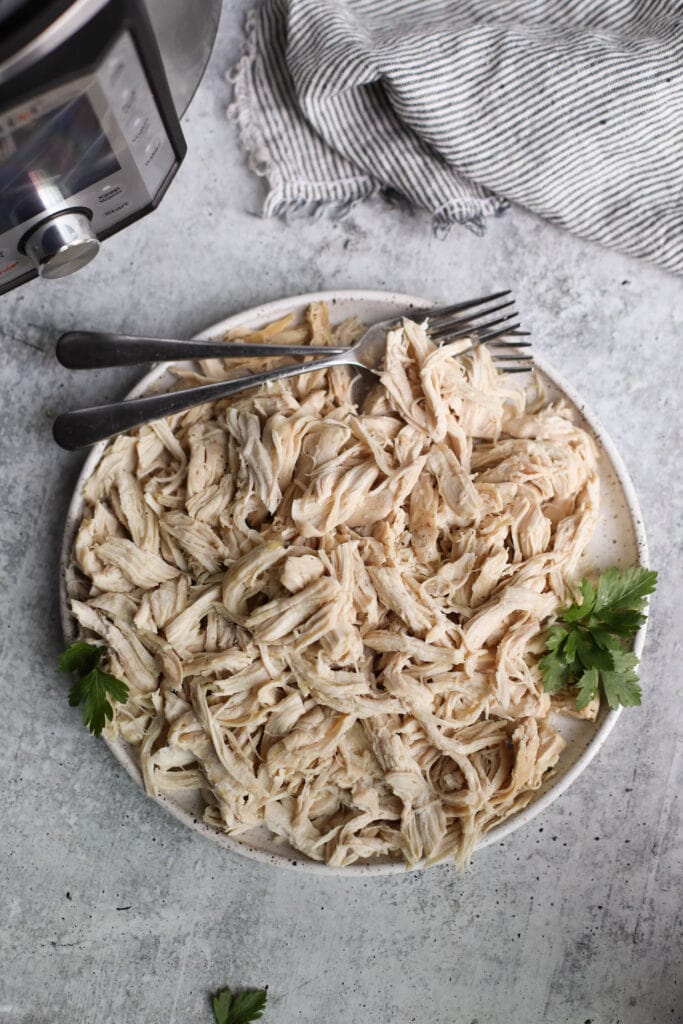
(62, 244)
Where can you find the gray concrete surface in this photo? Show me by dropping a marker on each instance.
(110, 911)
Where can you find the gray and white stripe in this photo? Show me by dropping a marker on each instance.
(572, 108)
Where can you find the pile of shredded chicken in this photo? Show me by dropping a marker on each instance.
(330, 617)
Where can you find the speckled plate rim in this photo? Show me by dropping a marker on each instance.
(273, 310)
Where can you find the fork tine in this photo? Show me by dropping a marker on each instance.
(443, 327)
(439, 312)
(512, 344)
(502, 357)
(474, 330)
(523, 363)
(482, 339)
(447, 324)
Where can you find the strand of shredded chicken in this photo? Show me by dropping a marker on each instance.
(329, 617)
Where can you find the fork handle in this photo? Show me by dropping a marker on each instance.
(90, 350)
(83, 427)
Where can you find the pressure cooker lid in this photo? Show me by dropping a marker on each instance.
(14, 13)
(9, 8)
(21, 21)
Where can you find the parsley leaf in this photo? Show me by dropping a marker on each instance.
(624, 622)
(627, 589)
(580, 611)
(587, 646)
(591, 654)
(95, 687)
(221, 1005)
(555, 674)
(621, 690)
(587, 687)
(242, 1008)
(556, 637)
(80, 657)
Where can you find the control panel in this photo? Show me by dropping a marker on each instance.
(76, 162)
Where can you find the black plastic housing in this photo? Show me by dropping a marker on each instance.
(80, 55)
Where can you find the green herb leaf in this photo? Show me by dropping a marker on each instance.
(575, 612)
(80, 657)
(555, 674)
(587, 688)
(556, 637)
(221, 1005)
(570, 647)
(95, 688)
(248, 1006)
(242, 1008)
(627, 589)
(625, 662)
(587, 646)
(624, 621)
(591, 655)
(621, 690)
(602, 637)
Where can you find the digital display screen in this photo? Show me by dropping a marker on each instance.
(51, 159)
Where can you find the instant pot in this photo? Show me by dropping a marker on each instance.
(91, 96)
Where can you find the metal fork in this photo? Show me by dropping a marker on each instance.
(83, 427)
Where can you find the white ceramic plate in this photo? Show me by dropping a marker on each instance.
(619, 540)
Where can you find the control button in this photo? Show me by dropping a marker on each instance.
(109, 192)
(127, 100)
(138, 128)
(151, 150)
(116, 68)
(62, 244)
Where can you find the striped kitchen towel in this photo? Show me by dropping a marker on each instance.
(571, 108)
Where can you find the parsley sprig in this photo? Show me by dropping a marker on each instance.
(242, 1008)
(587, 646)
(94, 687)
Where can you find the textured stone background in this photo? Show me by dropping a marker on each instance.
(110, 911)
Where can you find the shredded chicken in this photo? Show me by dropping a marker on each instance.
(330, 616)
